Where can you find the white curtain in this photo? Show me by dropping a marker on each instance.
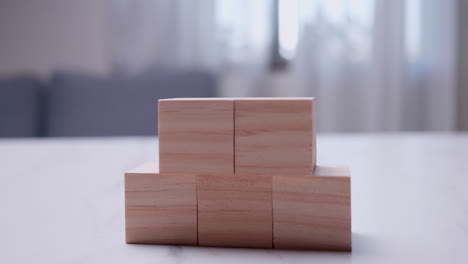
(230, 38)
(382, 65)
(374, 65)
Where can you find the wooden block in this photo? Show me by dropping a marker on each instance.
(234, 211)
(313, 212)
(196, 135)
(274, 136)
(160, 209)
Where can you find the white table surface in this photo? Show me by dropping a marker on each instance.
(62, 201)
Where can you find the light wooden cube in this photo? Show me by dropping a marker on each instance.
(196, 135)
(275, 136)
(234, 211)
(160, 209)
(313, 212)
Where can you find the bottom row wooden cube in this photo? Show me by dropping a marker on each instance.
(313, 212)
(294, 212)
(235, 211)
(160, 209)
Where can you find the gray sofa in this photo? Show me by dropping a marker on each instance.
(79, 104)
(21, 107)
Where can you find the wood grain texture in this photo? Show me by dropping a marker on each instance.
(313, 212)
(160, 209)
(196, 135)
(235, 211)
(274, 136)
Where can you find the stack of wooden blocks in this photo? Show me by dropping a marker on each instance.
(239, 173)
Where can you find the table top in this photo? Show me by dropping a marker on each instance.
(62, 201)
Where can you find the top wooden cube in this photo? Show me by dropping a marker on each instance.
(196, 135)
(275, 136)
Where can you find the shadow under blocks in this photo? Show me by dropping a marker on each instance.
(239, 172)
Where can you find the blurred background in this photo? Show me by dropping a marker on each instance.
(97, 67)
